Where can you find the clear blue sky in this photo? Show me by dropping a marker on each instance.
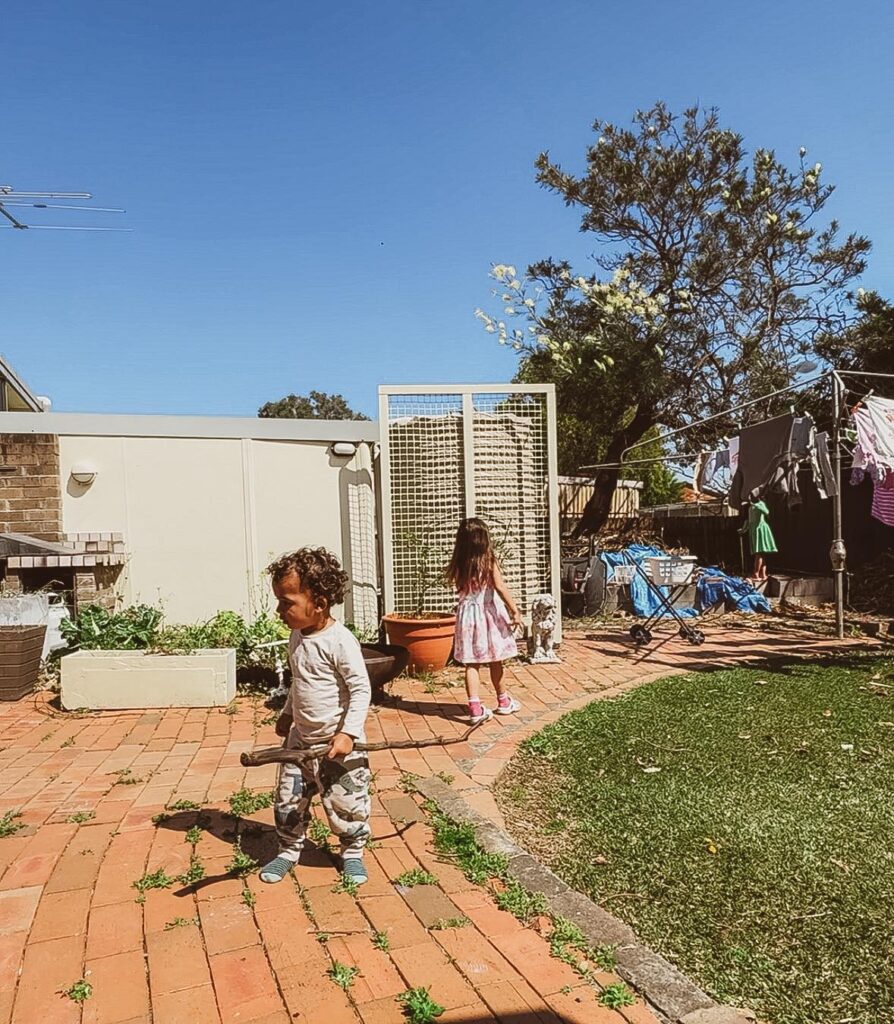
(317, 191)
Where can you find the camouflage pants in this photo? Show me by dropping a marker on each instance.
(343, 786)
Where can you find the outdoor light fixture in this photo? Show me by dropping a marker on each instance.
(344, 448)
(83, 473)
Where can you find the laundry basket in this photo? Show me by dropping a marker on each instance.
(673, 570)
(623, 573)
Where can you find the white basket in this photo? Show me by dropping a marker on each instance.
(623, 574)
(672, 570)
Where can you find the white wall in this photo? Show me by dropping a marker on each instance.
(203, 516)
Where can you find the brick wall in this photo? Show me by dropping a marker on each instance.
(30, 488)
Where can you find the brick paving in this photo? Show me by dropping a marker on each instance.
(225, 951)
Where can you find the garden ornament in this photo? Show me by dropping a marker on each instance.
(543, 629)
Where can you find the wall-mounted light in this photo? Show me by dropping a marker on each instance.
(345, 449)
(83, 473)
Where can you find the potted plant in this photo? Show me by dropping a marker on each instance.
(427, 635)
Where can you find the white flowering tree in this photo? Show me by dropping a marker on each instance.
(712, 279)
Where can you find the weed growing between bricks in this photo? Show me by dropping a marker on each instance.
(455, 841)
(80, 991)
(8, 824)
(415, 877)
(419, 1007)
(244, 802)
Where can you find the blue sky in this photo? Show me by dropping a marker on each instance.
(317, 192)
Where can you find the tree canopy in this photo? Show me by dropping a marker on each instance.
(713, 278)
(316, 405)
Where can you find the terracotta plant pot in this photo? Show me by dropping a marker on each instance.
(429, 641)
(20, 651)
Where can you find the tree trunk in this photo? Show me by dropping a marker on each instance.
(598, 508)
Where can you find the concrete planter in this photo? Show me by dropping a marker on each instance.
(134, 679)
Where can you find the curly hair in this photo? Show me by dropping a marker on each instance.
(319, 570)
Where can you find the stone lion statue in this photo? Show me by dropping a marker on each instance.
(543, 628)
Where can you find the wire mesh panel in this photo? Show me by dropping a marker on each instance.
(427, 496)
(512, 487)
(450, 452)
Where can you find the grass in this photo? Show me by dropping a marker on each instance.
(457, 841)
(740, 821)
(80, 991)
(520, 902)
(8, 824)
(343, 975)
(244, 802)
(416, 876)
(419, 1007)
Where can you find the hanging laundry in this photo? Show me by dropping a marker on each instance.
(764, 460)
(733, 455)
(883, 504)
(713, 473)
(826, 475)
(874, 420)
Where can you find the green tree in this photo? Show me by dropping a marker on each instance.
(869, 343)
(316, 405)
(712, 281)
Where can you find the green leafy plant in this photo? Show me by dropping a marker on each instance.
(407, 781)
(323, 937)
(184, 805)
(160, 818)
(450, 922)
(343, 975)
(241, 864)
(416, 876)
(346, 884)
(419, 1007)
(126, 777)
(80, 991)
(193, 835)
(520, 902)
(318, 832)
(181, 922)
(158, 879)
(381, 941)
(457, 841)
(244, 802)
(80, 817)
(445, 777)
(194, 873)
(95, 628)
(248, 897)
(617, 995)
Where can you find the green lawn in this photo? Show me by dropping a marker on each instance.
(742, 822)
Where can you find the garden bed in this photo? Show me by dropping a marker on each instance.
(740, 821)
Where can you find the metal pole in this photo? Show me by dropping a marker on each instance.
(838, 552)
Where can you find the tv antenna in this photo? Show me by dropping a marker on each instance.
(10, 199)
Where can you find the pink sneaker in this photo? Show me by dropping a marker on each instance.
(509, 708)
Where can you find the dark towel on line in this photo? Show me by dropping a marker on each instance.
(764, 454)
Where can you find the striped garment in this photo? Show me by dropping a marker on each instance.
(883, 504)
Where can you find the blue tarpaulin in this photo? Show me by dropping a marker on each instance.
(645, 602)
(712, 587)
(736, 594)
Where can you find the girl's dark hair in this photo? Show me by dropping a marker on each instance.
(319, 571)
(472, 563)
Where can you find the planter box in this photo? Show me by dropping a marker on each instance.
(21, 648)
(133, 679)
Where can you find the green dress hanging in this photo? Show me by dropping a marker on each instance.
(760, 536)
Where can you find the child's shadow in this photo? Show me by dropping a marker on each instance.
(256, 842)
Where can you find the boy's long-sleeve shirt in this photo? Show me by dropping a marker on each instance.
(330, 685)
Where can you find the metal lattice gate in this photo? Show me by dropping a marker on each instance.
(468, 450)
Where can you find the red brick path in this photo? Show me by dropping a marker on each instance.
(68, 909)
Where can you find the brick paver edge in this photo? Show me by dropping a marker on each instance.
(663, 986)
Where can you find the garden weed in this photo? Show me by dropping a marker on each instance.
(450, 922)
(318, 832)
(416, 876)
(419, 1006)
(193, 835)
(181, 922)
(381, 941)
(520, 902)
(343, 975)
(248, 897)
(617, 995)
(194, 873)
(159, 879)
(346, 884)
(241, 864)
(8, 824)
(80, 817)
(80, 991)
(184, 805)
(244, 802)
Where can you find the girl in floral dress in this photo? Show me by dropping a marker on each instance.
(486, 618)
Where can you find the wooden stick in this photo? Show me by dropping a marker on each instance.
(291, 755)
